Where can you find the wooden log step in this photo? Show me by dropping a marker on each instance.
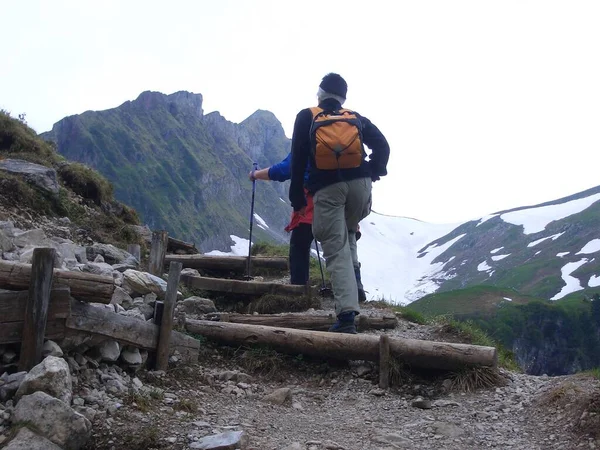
(181, 247)
(256, 288)
(84, 286)
(415, 353)
(232, 263)
(128, 330)
(307, 322)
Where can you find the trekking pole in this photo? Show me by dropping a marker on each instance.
(254, 168)
(324, 291)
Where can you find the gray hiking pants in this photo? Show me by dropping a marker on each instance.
(338, 208)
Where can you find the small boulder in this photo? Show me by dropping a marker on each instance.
(230, 440)
(51, 376)
(197, 305)
(28, 440)
(54, 419)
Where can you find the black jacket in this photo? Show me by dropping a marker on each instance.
(317, 179)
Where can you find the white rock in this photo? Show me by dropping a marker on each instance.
(51, 376)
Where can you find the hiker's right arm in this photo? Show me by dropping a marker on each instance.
(281, 171)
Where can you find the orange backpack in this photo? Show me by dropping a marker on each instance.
(336, 139)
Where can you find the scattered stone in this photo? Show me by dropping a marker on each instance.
(422, 404)
(143, 283)
(28, 440)
(131, 355)
(51, 376)
(230, 440)
(51, 348)
(9, 384)
(54, 419)
(197, 305)
(278, 396)
(109, 351)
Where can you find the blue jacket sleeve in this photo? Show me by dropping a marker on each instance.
(281, 171)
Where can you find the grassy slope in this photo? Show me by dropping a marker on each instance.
(85, 197)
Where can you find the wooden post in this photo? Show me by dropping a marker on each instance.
(164, 337)
(135, 250)
(384, 361)
(36, 311)
(158, 251)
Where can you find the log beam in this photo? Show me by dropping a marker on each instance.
(308, 322)
(257, 288)
(128, 330)
(415, 353)
(229, 263)
(84, 286)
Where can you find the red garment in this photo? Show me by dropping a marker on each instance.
(307, 217)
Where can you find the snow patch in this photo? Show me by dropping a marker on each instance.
(572, 284)
(591, 247)
(553, 237)
(483, 267)
(499, 257)
(535, 220)
(496, 250)
(594, 281)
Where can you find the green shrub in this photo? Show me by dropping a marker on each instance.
(86, 182)
(19, 141)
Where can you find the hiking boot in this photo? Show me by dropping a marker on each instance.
(344, 323)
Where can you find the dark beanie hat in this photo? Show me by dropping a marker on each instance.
(334, 84)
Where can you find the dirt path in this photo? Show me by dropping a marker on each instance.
(322, 405)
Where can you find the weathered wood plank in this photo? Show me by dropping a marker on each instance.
(309, 322)
(127, 330)
(166, 323)
(84, 286)
(178, 246)
(158, 251)
(231, 263)
(13, 303)
(415, 353)
(242, 287)
(12, 332)
(36, 308)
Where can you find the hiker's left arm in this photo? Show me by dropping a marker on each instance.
(376, 141)
(300, 149)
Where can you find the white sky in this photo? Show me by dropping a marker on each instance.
(469, 93)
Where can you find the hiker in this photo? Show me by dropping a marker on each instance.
(300, 227)
(330, 140)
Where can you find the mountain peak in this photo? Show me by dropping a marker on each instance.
(180, 100)
(264, 116)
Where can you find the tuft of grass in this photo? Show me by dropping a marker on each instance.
(470, 333)
(594, 373)
(86, 182)
(263, 248)
(186, 405)
(472, 379)
(260, 360)
(142, 402)
(411, 315)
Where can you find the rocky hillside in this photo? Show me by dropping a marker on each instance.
(529, 249)
(41, 189)
(181, 170)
